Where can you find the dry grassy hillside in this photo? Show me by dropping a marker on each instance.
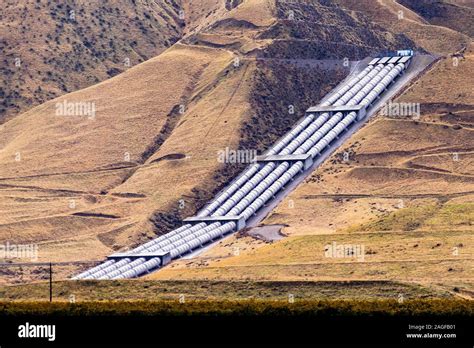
(450, 14)
(82, 187)
(55, 47)
(401, 188)
(92, 161)
(400, 19)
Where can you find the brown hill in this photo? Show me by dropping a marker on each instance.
(399, 19)
(451, 14)
(91, 185)
(406, 194)
(52, 48)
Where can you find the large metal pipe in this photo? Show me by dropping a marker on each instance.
(188, 242)
(257, 185)
(249, 172)
(339, 98)
(191, 245)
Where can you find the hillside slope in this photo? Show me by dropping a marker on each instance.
(402, 189)
(400, 19)
(82, 187)
(450, 14)
(52, 48)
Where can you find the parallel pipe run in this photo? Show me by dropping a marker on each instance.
(268, 174)
(251, 184)
(258, 183)
(330, 129)
(246, 175)
(188, 245)
(173, 236)
(288, 149)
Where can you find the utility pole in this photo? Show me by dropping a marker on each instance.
(50, 282)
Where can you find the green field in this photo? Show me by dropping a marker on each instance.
(432, 307)
(133, 290)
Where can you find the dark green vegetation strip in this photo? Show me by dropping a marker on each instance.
(431, 307)
(89, 290)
